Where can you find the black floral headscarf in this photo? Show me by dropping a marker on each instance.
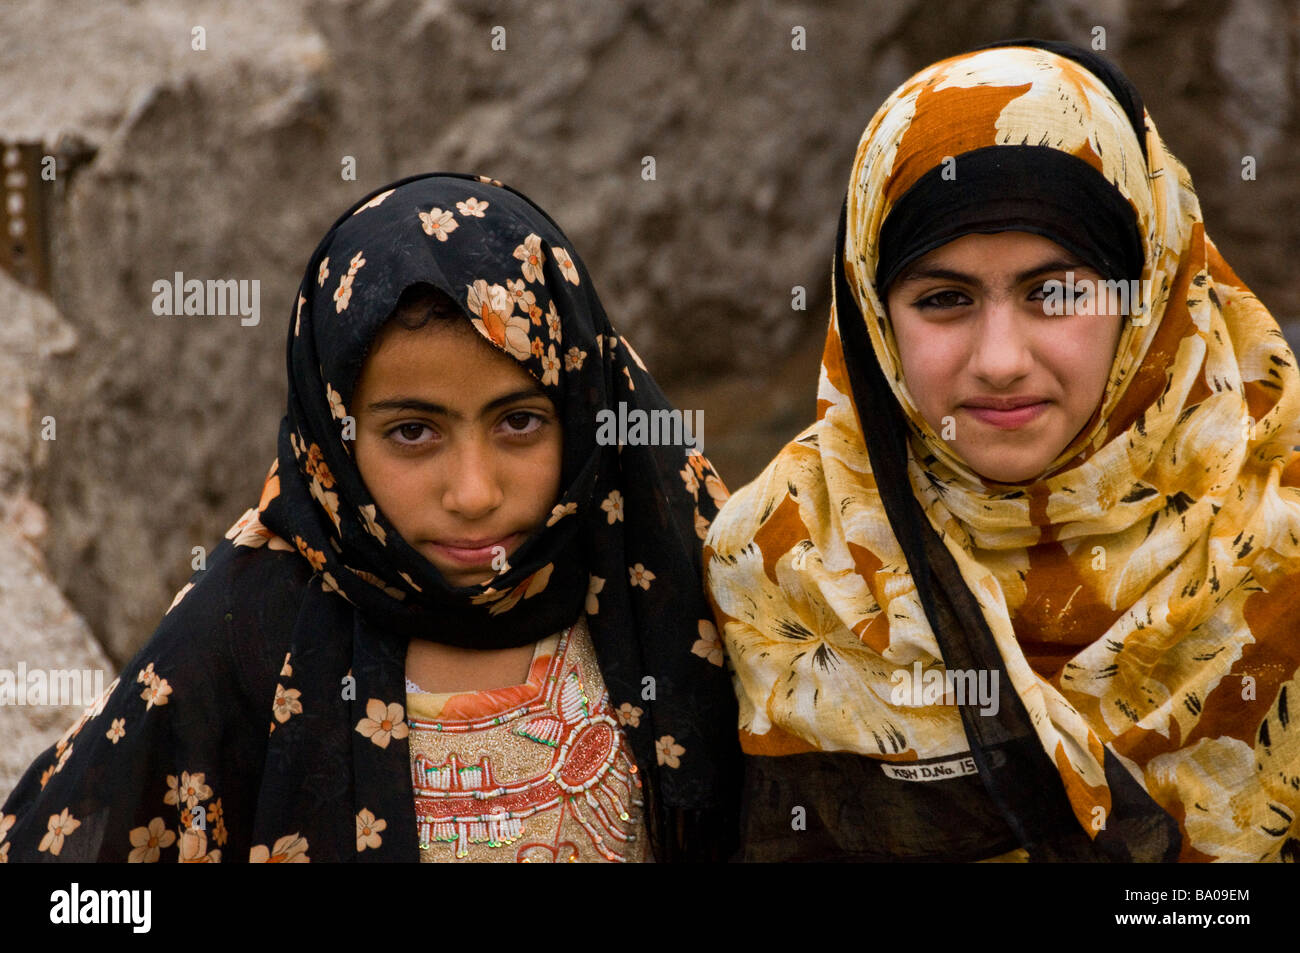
(316, 583)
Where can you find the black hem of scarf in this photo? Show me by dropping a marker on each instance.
(1016, 771)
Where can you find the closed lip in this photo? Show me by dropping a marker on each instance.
(1003, 403)
(473, 552)
(484, 543)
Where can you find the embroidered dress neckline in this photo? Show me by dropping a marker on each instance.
(467, 708)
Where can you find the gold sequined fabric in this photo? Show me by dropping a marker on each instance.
(532, 773)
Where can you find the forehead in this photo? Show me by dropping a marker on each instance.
(993, 251)
(993, 258)
(445, 357)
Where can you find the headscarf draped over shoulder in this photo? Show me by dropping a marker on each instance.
(1159, 554)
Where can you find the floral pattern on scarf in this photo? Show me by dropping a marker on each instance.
(1162, 547)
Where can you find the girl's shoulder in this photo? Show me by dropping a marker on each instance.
(793, 477)
(235, 618)
(180, 734)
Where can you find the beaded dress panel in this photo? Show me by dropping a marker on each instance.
(538, 772)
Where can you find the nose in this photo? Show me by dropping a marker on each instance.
(1001, 353)
(471, 488)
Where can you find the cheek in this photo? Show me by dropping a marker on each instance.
(1081, 356)
(369, 461)
(546, 467)
(389, 482)
(931, 362)
(535, 478)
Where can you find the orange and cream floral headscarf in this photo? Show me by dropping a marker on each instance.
(1159, 553)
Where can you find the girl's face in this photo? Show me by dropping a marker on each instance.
(458, 446)
(973, 336)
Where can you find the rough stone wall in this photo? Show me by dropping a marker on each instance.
(226, 163)
(38, 628)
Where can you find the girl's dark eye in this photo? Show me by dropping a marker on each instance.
(522, 422)
(942, 299)
(409, 433)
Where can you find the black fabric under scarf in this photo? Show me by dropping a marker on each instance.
(1014, 188)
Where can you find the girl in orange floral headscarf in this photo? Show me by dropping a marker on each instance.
(1027, 587)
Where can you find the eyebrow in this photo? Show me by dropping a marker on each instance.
(948, 274)
(429, 407)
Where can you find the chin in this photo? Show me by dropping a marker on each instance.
(1000, 474)
(1011, 462)
(464, 580)
(460, 577)
(999, 468)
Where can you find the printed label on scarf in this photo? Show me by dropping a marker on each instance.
(932, 771)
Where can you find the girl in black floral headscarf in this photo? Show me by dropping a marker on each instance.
(417, 526)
